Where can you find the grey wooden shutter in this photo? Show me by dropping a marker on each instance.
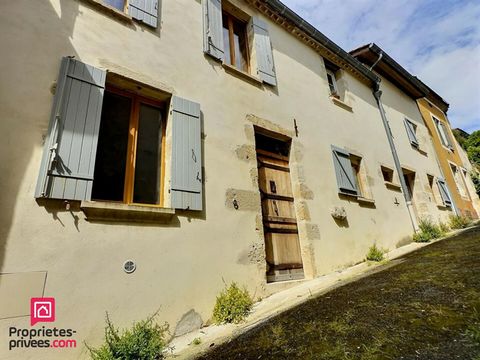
(263, 48)
(412, 137)
(144, 10)
(442, 187)
(346, 180)
(447, 136)
(68, 161)
(213, 29)
(186, 182)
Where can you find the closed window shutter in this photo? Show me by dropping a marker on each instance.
(263, 48)
(346, 180)
(213, 29)
(442, 187)
(68, 161)
(144, 10)
(412, 137)
(186, 182)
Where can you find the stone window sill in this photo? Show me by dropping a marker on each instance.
(340, 103)
(443, 207)
(241, 74)
(117, 212)
(421, 151)
(110, 10)
(393, 186)
(363, 200)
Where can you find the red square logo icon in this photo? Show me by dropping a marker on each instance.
(42, 310)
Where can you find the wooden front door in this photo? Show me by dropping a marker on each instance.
(283, 255)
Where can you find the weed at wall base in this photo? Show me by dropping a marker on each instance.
(429, 231)
(375, 254)
(232, 305)
(459, 221)
(146, 340)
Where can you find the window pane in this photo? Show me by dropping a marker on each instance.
(240, 46)
(226, 42)
(118, 4)
(148, 156)
(109, 176)
(331, 83)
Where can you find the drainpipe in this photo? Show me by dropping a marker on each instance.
(377, 93)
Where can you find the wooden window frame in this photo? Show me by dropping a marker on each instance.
(132, 145)
(334, 83)
(230, 22)
(356, 163)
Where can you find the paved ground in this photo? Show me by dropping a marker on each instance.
(425, 305)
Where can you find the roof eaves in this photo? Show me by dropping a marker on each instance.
(281, 10)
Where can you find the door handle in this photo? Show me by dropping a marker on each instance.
(275, 207)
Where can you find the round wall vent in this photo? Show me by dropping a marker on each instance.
(129, 266)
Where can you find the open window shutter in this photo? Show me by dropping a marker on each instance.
(213, 29)
(68, 161)
(144, 10)
(186, 182)
(412, 137)
(263, 48)
(442, 187)
(441, 132)
(346, 180)
(447, 136)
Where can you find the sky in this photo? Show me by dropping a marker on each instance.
(436, 40)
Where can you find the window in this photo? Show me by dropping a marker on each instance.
(226, 39)
(356, 161)
(387, 174)
(332, 83)
(117, 4)
(145, 11)
(431, 184)
(129, 152)
(411, 132)
(116, 154)
(459, 182)
(350, 174)
(235, 42)
(443, 133)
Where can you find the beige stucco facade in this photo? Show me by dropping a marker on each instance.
(182, 263)
(421, 160)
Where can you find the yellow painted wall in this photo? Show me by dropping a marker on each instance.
(446, 156)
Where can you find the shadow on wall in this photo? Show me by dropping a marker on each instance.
(30, 66)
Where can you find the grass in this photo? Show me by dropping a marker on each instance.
(425, 307)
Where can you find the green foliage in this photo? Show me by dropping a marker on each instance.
(145, 341)
(460, 138)
(233, 305)
(428, 231)
(475, 176)
(473, 147)
(197, 341)
(374, 253)
(459, 221)
(444, 228)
